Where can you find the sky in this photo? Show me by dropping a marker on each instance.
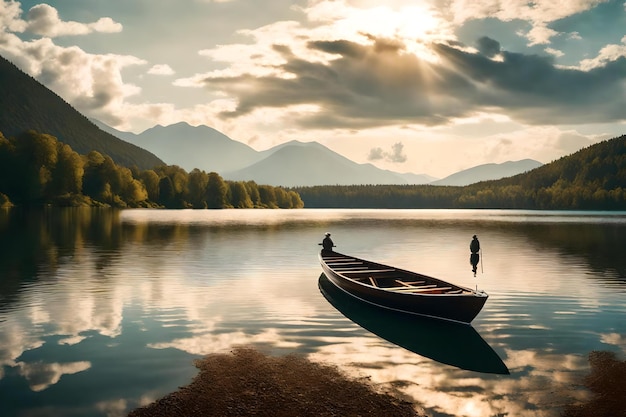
(426, 86)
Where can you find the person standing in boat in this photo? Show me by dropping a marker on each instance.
(474, 257)
(327, 243)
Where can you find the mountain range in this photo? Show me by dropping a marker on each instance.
(289, 164)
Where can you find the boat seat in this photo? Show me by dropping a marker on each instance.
(410, 283)
(360, 271)
(353, 268)
(438, 290)
(420, 287)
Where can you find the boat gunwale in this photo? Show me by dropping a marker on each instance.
(466, 291)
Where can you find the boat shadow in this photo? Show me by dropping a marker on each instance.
(446, 342)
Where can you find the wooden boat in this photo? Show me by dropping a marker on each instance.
(401, 290)
(431, 338)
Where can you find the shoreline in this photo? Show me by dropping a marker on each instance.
(247, 382)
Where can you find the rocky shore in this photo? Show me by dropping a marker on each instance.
(248, 383)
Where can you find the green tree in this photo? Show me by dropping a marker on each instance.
(197, 188)
(37, 156)
(167, 196)
(93, 181)
(8, 168)
(239, 195)
(68, 172)
(179, 180)
(296, 201)
(253, 192)
(150, 181)
(216, 192)
(268, 196)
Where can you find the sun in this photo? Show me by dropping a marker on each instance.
(416, 26)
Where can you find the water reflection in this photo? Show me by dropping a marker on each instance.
(116, 305)
(435, 339)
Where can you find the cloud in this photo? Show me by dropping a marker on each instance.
(376, 154)
(539, 13)
(378, 83)
(44, 20)
(366, 85)
(534, 90)
(570, 142)
(554, 52)
(540, 35)
(488, 47)
(607, 54)
(161, 69)
(396, 155)
(42, 375)
(10, 13)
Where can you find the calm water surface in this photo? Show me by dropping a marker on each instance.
(102, 311)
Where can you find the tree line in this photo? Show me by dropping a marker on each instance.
(593, 178)
(36, 169)
(560, 195)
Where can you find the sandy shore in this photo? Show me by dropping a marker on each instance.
(607, 383)
(248, 383)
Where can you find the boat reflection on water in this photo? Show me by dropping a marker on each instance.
(446, 342)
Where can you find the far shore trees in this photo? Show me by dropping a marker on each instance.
(38, 170)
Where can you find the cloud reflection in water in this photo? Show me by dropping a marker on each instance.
(138, 300)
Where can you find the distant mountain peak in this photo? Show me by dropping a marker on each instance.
(297, 163)
(489, 171)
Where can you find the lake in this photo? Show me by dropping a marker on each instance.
(102, 311)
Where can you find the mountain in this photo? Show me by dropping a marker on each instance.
(191, 147)
(306, 164)
(488, 172)
(25, 104)
(416, 179)
(289, 164)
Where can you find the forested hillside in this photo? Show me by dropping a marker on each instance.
(36, 170)
(593, 178)
(26, 104)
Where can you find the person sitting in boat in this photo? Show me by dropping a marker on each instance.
(475, 245)
(327, 243)
(474, 257)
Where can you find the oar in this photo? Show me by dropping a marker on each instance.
(481, 262)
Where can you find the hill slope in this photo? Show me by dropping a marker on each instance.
(601, 166)
(488, 172)
(25, 104)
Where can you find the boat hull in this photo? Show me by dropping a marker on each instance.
(462, 308)
(431, 338)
